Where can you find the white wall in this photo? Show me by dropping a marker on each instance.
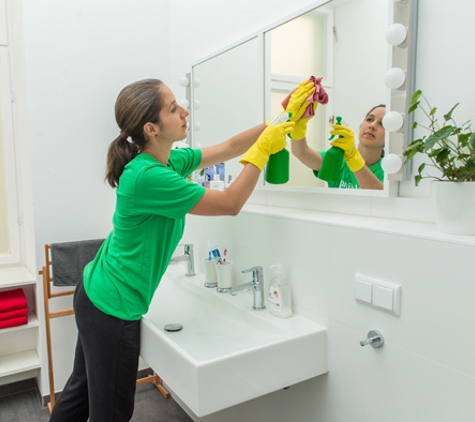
(79, 54)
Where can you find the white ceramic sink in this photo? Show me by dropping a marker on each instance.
(226, 353)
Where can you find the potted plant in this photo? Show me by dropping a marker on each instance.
(450, 152)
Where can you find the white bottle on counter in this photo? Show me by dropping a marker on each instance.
(279, 300)
(217, 183)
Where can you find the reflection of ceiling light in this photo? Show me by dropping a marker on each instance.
(396, 34)
(393, 121)
(392, 163)
(395, 78)
(184, 81)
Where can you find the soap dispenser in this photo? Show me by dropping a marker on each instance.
(280, 300)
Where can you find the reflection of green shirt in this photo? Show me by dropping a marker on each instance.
(149, 219)
(347, 177)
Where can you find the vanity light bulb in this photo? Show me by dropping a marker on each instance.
(184, 103)
(184, 81)
(196, 82)
(392, 163)
(393, 121)
(197, 126)
(197, 104)
(395, 78)
(396, 34)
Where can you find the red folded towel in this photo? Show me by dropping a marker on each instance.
(14, 313)
(12, 299)
(14, 322)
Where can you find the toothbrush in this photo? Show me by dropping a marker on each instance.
(217, 256)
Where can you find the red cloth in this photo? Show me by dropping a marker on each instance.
(12, 299)
(14, 322)
(14, 313)
(319, 96)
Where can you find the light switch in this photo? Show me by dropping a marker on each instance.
(363, 291)
(383, 297)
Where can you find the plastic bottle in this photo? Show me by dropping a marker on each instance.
(277, 170)
(331, 166)
(216, 183)
(280, 300)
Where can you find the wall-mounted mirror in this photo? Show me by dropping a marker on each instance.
(350, 43)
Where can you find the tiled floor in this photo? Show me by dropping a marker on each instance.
(21, 402)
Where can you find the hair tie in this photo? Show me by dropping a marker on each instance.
(123, 135)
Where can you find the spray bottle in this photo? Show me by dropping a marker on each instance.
(280, 300)
(331, 166)
(277, 170)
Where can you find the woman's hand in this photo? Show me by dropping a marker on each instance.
(345, 139)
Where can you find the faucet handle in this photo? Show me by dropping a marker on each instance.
(253, 269)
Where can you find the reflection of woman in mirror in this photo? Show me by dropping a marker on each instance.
(362, 165)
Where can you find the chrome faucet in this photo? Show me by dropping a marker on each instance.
(257, 284)
(187, 256)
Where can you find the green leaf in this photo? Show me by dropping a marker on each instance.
(415, 97)
(413, 107)
(471, 140)
(414, 125)
(433, 111)
(448, 116)
(417, 179)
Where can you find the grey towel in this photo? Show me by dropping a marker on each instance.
(69, 259)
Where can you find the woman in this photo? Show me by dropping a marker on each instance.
(153, 197)
(362, 166)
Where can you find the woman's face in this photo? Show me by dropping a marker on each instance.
(372, 130)
(172, 117)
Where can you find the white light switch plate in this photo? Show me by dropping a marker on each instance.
(377, 293)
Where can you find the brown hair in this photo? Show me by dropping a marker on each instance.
(379, 105)
(137, 104)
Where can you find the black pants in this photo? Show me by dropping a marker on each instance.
(102, 384)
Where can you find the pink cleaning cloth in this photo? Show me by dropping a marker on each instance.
(319, 96)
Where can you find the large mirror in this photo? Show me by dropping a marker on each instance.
(343, 41)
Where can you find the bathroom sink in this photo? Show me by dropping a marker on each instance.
(226, 353)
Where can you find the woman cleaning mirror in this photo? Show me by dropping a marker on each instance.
(361, 166)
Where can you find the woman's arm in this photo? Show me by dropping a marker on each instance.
(306, 155)
(231, 148)
(367, 179)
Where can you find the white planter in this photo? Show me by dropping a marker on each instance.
(454, 206)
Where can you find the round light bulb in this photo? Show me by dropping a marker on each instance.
(197, 104)
(396, 34)
(196, 126)
(395, 78)
(184, 81)
(184, 103)
(393, 121)
(196, 82)
(392, 163)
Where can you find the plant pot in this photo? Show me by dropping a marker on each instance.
(454, 206)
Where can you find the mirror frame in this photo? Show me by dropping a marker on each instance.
(401, 56)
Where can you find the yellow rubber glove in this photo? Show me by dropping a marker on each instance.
(301, 126)
(298, 100)
(346, 141)
(297, 105)
(271, 141)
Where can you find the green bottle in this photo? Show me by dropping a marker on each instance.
(277, 169)
(331, 166)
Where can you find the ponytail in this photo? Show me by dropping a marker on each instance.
(120, 153)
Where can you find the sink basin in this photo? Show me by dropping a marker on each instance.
(226, 353)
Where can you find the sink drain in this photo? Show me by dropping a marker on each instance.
(173, 327)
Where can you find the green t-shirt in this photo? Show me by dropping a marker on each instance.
(347, 177)
(149, 219)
